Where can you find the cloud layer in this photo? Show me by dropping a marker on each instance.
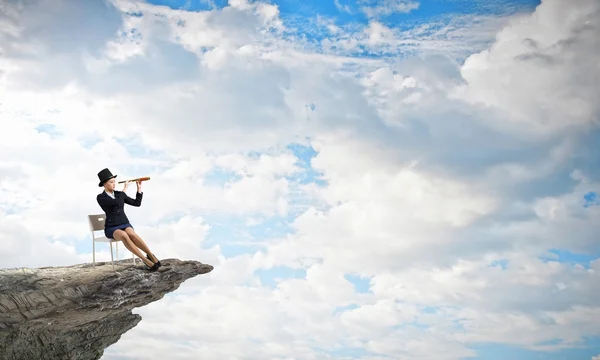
(428, 205)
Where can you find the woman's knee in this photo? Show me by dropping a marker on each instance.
(121, 235)
(131, 233)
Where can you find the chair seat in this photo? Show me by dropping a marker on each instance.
(104, 239)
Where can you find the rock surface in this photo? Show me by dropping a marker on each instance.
(75, 312)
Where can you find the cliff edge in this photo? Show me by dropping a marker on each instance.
(75, 312)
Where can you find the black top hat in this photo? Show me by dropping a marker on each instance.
(104, 175)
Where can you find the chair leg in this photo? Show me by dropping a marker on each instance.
(93, 252)
(117, 247)
(112, 260)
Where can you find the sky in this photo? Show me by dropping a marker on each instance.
(393, 179)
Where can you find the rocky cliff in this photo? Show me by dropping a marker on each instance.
(75, 312)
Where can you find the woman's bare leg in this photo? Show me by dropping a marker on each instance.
(122, 235)
(137, 240)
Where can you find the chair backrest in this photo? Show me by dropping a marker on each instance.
(96, 222)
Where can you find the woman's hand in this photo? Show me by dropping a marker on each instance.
(125, 186)
(139, 186)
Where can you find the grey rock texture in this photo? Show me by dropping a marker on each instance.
(75, 312)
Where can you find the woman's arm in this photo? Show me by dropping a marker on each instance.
(133, 202)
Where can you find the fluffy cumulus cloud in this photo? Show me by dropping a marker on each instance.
(554, 62)
(364, 190)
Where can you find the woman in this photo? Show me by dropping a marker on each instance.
(116, 225)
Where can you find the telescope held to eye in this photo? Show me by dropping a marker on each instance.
(145, 178)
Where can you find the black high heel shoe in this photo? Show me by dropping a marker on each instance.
(154, 267)
(157, 261)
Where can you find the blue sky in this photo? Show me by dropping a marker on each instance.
(427, 186)
(339, 10)
(301, 16)
(295, 12)
(235, 237)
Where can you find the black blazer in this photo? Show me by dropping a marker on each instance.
(113, 208)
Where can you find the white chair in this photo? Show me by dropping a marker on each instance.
(96, 223)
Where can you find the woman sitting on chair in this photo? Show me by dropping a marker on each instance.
(117, 225)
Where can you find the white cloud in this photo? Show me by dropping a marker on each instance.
(425, 188)
(453, 36)
(342, 7)
(388, 7)
(541, 73)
